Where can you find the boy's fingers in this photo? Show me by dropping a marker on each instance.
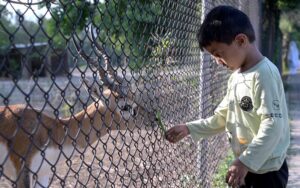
(176, 133)
(227, 177)
(173, 132)
(181, 135)
(230, 180)
(236, 182)
(172, 140)
(170, 131)
(173, 137)
(242, 182)
(170, 137)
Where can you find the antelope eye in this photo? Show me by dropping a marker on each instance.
(126, 107)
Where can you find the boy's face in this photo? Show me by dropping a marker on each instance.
(232, 56)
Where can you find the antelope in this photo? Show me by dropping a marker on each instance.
(32, 142)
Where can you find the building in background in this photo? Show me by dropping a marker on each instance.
(37, 59)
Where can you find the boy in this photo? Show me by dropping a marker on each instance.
(253, 113)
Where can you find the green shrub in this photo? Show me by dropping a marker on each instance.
(219, 176)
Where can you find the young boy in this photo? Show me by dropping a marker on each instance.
(253, 113)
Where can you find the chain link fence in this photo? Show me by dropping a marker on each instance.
(83, 80)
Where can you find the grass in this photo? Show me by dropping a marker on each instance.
(219, 176)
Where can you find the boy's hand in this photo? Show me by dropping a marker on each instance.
(236, 174)
(176, 133)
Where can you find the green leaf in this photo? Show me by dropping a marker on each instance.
(160, 123)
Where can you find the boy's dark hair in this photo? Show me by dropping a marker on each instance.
(222, 24)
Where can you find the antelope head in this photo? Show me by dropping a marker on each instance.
(123, 95)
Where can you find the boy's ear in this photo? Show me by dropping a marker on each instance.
(241, 39)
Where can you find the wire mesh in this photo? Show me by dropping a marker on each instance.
(82, 81)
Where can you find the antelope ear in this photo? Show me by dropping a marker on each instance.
(92, 88)
(95, 93)
(86, 84)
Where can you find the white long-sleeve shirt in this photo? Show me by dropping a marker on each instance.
(254, 115)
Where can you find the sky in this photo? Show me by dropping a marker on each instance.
(32, 12)
(29, 13)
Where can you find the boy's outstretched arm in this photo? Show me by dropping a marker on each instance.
(176, 133)
(201, 128)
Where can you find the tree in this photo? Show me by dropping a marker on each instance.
(271, 34)
(5, 27)
(19, 31)
(123, 27)
(132, 32)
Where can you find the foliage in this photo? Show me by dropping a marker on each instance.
(289, 26)
(285, 25)
(19, 31)
(15, 32)
(289, 14)
(287, 4)
(289, 23)
(122, 27)
(4, 23)
(162, 45)
(132, 27)
(220, 175)
(271, 34)
(66, 18)
(187, 180)
(131, 32)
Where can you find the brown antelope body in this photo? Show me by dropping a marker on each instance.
(31, 143)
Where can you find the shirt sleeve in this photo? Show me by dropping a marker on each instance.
(268, 103)
(215, 124)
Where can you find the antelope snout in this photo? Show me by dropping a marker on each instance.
(154, 119)
(135, 112)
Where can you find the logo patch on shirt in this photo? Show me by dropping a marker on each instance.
(275, 105)
(246, 104)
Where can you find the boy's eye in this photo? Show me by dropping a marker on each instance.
(217, 55)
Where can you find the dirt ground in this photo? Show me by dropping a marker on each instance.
(292, 93)
(139, 158)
